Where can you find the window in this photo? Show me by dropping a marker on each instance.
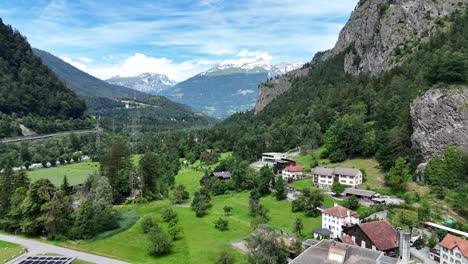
(445, 256)
(457, 262)
(458, 255)
(445, 250)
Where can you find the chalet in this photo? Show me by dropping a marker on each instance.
(324, 177)
(378, 235)
(292, 173)
(222, 175)
(453, 250)
(329, 251)
(336, 217)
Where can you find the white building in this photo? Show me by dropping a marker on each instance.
(453, 250)
(271, 157)
(336, 217)
(292, 173)
(324, 177)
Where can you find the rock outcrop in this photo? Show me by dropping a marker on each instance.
(440, 119)
(378, 36)
(380, 33)
(273, 88)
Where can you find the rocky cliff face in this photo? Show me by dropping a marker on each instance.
(380, 33)
(440, 118)
(273, 88)
(378, 36)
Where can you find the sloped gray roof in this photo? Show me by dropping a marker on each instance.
(323, 171)
(359, 192)
(346, 171)
(222, 174)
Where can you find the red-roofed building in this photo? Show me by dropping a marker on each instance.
(336, 217)
(377, 235)
(291, 173)
(453, 250)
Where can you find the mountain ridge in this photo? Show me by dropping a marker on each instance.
(152, 83)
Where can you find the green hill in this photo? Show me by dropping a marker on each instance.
(82, 83)
(30, 93)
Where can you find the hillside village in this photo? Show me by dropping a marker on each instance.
(358, 156)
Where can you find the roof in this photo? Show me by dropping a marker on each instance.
(336, 171)
(222, 174)
(318, 254)
(323, 171)
(323, 231)
(340, 211)
(451, 230)
(346, 171)
(294, 169)
(381, 234)
(359, 192)
(347, 240)
(450, 241)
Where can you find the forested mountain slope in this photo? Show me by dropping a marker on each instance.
(30, 93)
(354, 114)
(379, 35)
(82, 83)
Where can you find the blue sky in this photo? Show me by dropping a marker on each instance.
(179, 38)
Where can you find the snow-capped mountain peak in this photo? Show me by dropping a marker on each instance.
(252, 65)
(152, 83)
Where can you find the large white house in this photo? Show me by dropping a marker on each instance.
(336, 217)
(271, 158)
(324, 177)
(453, 250)
(292, 173)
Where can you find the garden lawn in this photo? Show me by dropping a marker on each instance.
(77, 173)
(8, 251)
(301, 184)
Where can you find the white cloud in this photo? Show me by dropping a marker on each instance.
(140, 63)
(85, 59)
(246, 58)
(76, 64)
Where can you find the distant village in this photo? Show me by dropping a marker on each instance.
(347, 238)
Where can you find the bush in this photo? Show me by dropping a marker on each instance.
(168, 215)
(227, 209)
(221, 224)
(225, 258)
(147, 223)
(159, 242)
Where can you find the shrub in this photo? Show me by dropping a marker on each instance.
(227, 209)
(147, 223)
(168, 215)
(222, 224)
(225, 258)
(159, 242)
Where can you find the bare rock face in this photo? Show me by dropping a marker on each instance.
(440, 119)
(381, 32)
(270, 90)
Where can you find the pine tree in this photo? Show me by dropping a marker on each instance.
(281, 192)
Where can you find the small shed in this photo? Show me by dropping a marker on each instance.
(322, 233)
(361, 194)
(222, 175)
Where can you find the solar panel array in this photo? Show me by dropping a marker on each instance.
(46, 260)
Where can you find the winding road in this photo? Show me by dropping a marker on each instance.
(35, 247)
(40, 137)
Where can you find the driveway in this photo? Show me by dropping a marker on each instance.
(35, 247)
(422, 255)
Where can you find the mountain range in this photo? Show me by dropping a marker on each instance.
(152, 83)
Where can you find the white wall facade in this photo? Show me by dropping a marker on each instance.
(453, 256)
(335, 224)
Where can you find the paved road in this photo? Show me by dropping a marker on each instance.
(35, 247)
(39, 137)
(422, 255)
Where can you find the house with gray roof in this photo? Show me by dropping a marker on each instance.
(329, 251)
(325, 177)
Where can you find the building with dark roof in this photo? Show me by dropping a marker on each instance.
(222, 175)
(360, 193)
(379, 235)
(331, 252)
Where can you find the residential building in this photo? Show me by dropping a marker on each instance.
(325, 177)
(271, 158)
(329, 252)
(377, 235)
(291, 173)
(336, 217)
(454, 250)
(222, 175)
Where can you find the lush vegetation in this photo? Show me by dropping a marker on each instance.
(8, 251)
(28, 89)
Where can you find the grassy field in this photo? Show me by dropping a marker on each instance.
(76, 173)
(8, 251)
(199, 241)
